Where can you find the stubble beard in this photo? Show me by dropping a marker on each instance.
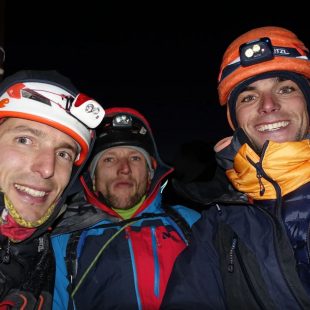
(300, 135)
(117, 202)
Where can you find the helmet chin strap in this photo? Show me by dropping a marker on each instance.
(21, 221)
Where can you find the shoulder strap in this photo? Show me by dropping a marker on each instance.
(71, 258)
(180, 221)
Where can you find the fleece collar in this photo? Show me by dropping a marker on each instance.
(288, 164)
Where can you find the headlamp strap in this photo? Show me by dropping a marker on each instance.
(278, 51)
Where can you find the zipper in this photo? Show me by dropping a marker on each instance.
(155, 245)
(234, 251)
(261, 185)
(278, 214)
(260, 173)
(308, 244)
(231, 265)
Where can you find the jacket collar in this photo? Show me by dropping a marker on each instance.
(287, 164)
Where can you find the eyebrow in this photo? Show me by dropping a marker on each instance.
(23, 128)
(39, 133)
(278, 79)
(247, 88)
(131, 152)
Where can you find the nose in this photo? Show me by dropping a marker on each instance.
(268, 104)
(124, 166)
(44, 163)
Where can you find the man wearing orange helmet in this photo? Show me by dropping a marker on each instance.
(46, 132)
(251, 250)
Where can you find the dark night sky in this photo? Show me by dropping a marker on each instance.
(162, 60)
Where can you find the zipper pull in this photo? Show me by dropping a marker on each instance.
(261, 185)
(219, 210)
(231, 265)
(259, 168)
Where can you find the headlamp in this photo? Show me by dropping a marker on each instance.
(255, 51)
(123, 124)
(83, 108)
(122, 120)
(86, 110)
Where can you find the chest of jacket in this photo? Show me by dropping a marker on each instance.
(256, 260)
(137, 259)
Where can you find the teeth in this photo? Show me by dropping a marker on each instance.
(30, 191)
(272, 127)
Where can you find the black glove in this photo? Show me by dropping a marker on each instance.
(26, 266)
(17, 300)
(15, 264)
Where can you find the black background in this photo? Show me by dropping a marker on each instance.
(160, 59)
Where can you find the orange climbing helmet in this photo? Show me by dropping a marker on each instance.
(260, 53)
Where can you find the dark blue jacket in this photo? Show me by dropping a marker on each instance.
(251, 252)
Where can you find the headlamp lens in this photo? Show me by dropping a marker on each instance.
(255, 52)
(122, 120)
(124, 123)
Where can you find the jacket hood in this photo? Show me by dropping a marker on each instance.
(124, 126)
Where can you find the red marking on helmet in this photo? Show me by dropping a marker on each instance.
(15, 90)
(80, 99)
(3, 102)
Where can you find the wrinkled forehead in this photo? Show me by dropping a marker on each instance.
(123, 150)
(269, 83)
(23, 127)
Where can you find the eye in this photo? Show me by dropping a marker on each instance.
(248, 98)
(23, 140)
(286, 89)
(66, 155)
(108, 159)
(135, 158)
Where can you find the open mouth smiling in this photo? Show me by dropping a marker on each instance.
(30, 191)
(273, 126)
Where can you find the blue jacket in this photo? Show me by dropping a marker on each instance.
(106, 262)
(135, 257)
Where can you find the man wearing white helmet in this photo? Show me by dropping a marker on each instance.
(251, 247)
(46, 132)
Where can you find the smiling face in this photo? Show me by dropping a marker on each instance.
(122, 177)
(35, 165)
(272, 109)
